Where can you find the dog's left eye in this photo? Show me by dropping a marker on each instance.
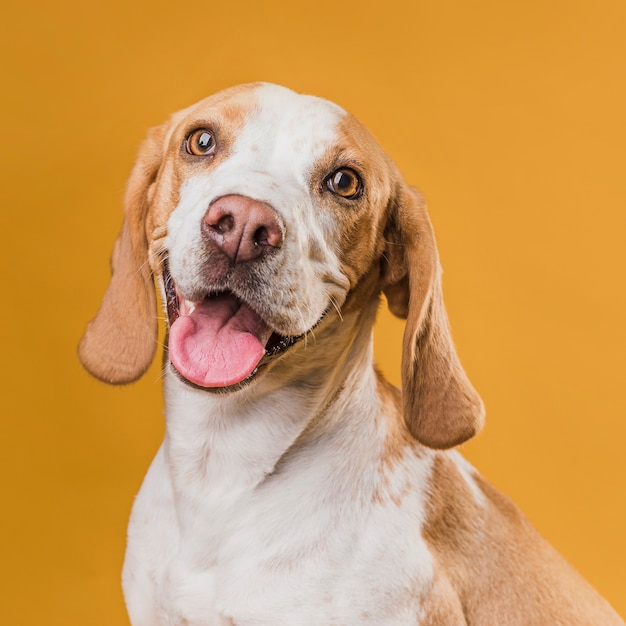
(201, 142)
(345, 182)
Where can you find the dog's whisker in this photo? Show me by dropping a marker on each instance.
(160, 377)
(160, 253)
(336, 307)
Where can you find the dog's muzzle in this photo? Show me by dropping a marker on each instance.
(220, 341)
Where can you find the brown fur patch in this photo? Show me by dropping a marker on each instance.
(442, 606)
(225, 114)
(398, 440)
(361, 219)
(501, 571)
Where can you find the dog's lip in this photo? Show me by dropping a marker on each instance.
(275, 347)
(178, 306)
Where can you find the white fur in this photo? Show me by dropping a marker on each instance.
(215, 534)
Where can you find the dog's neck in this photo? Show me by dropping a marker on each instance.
(268, 451)
(242, 439)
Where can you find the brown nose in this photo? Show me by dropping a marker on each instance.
(242, 228)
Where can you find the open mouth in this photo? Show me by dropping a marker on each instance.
(219, 341)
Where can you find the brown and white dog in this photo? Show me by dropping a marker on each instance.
(295, 485)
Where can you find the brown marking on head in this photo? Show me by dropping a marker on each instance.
(224, 114)
(360, 220)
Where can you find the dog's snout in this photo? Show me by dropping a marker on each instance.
(242, 228)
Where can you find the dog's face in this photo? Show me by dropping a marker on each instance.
(263, 214)
(274, 218)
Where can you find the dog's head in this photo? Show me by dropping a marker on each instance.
(263, 214)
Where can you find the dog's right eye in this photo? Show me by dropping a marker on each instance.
(200, 142)
(345, 182)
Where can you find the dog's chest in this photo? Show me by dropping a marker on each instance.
(325, 536)
(320, 541)
(319, 566)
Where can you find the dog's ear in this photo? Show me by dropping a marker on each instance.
(441, 408)
(119, 343)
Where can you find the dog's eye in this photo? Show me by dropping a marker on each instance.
(200, 142)
(345, 183)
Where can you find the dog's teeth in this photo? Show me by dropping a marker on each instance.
(187, 307)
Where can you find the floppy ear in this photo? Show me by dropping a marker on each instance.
(441, 408)
(119, 343)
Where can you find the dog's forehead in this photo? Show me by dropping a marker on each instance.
(267, 118)
(308, 122)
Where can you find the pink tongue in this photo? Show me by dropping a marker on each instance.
(219, 344)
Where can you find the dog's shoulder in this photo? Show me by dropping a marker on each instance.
(491, 556)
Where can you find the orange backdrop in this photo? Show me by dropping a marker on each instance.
(509, 116)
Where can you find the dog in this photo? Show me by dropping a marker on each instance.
(295, 485)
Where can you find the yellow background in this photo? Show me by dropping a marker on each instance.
(509, 114)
